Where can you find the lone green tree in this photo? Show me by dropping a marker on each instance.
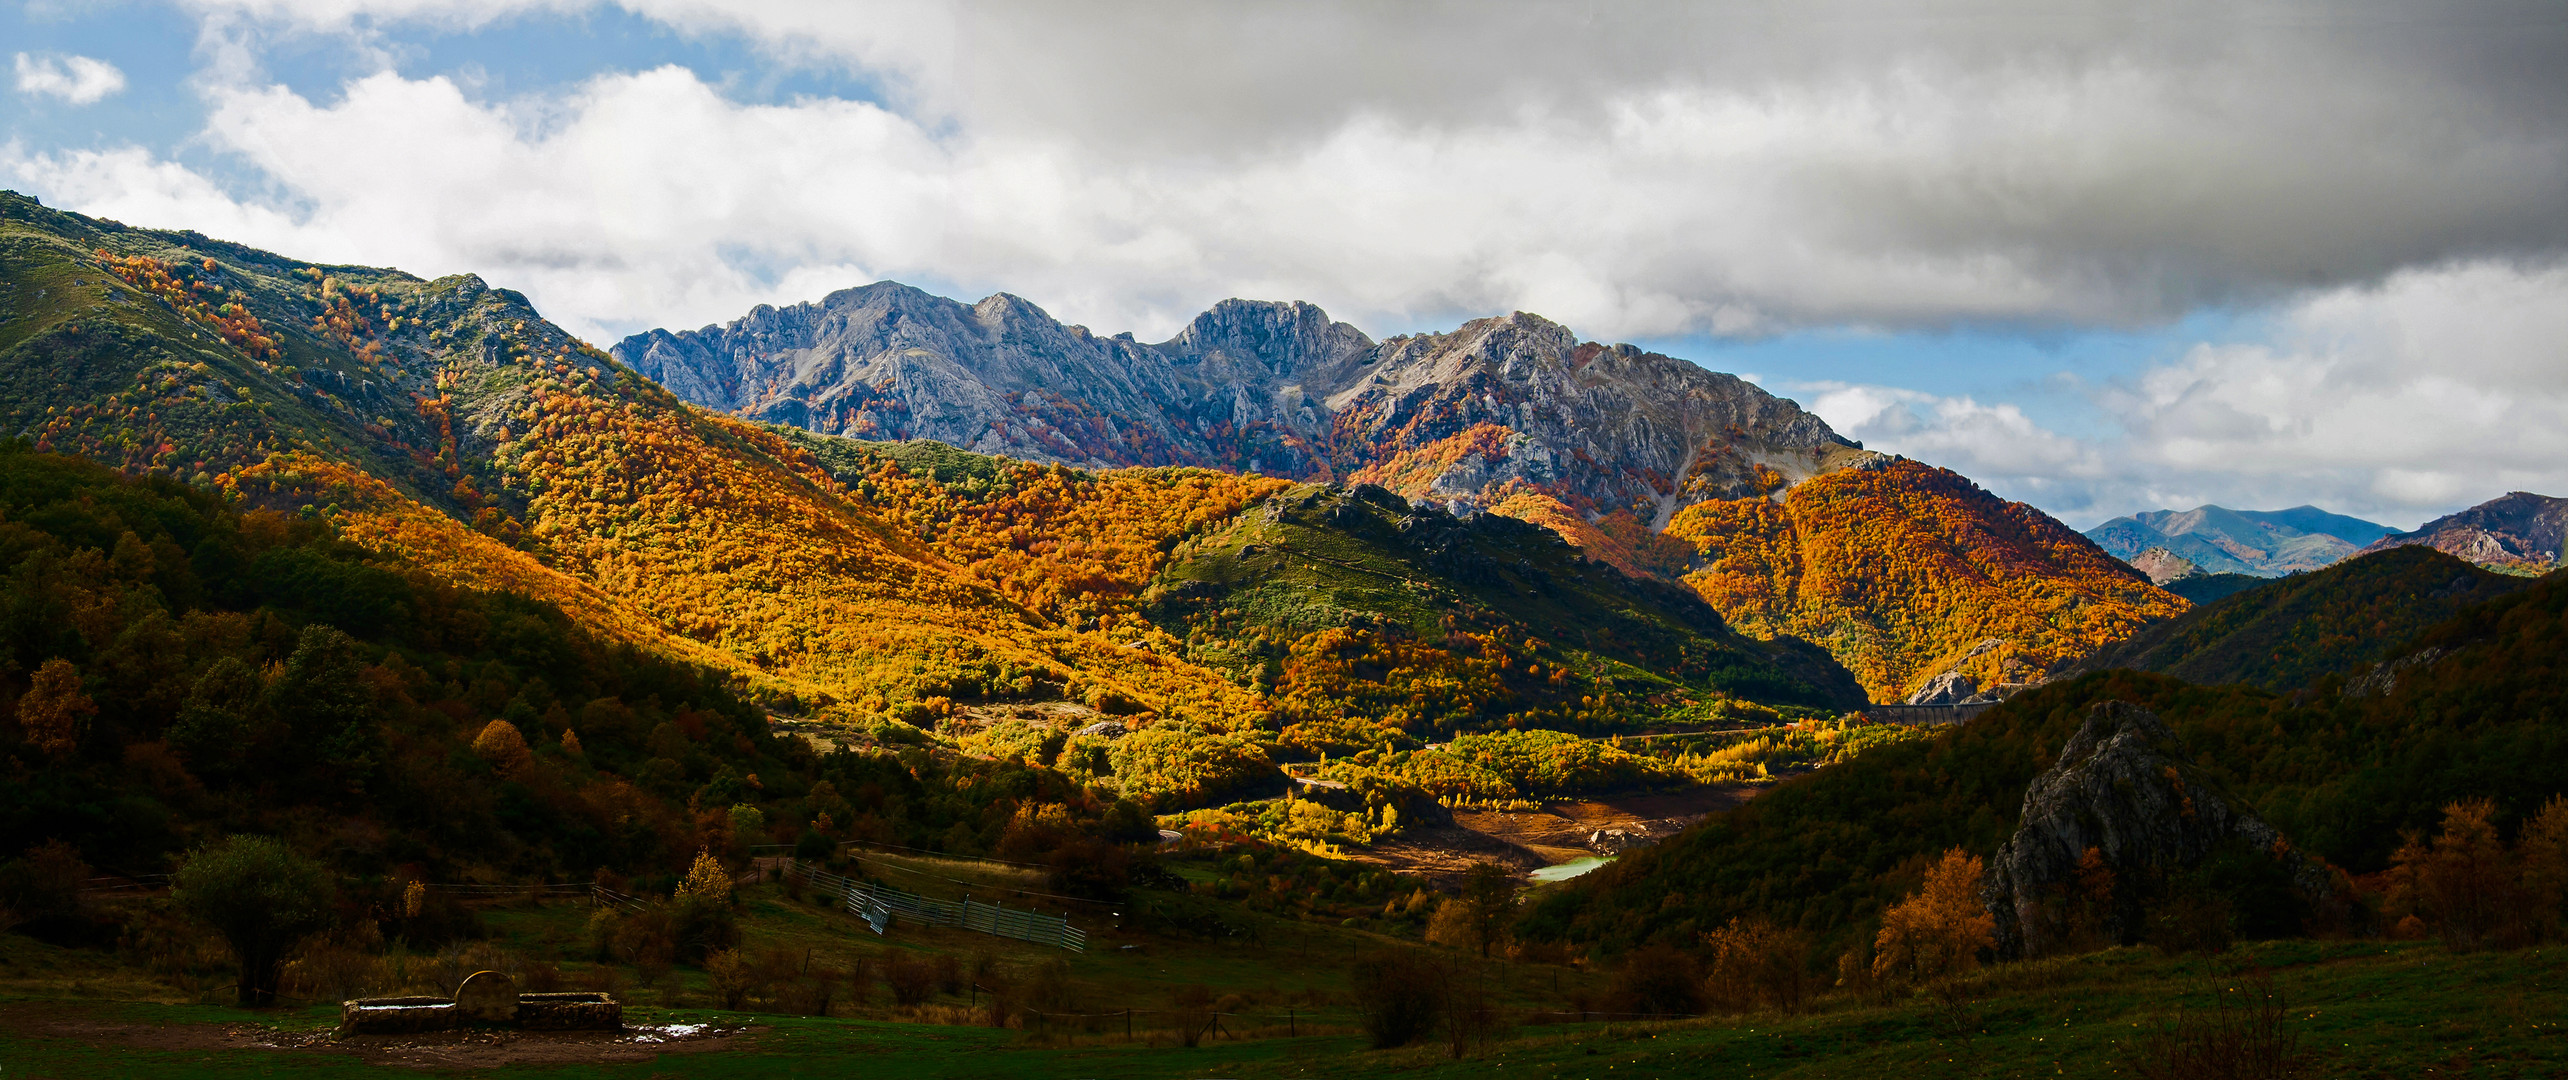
(262, 897)
(1491, 893)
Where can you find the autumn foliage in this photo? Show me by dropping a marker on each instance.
(1941, 930)
(1899, 567)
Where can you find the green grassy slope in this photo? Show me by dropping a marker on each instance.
(2205, 588)
(1318, 558)
(2352, 1010)
(95, 365)
(2283, 634)
(1366, 561)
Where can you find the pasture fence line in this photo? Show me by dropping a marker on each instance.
(879, 906)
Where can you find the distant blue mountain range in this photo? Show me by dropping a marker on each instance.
(2219, 540)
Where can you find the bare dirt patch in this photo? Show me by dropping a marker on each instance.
(1556, 833)
(439, 1050)
(490, 1049)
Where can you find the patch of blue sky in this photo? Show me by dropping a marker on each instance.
(154, 46)
(543, 53)
(539, 54)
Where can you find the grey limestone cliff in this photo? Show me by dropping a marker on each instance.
(1500, 404)
(2126, 787)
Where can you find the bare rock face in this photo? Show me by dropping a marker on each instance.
(2126, 787)
(1948, 688)
(1499, 405)
(2163, 566)
(2518, 530)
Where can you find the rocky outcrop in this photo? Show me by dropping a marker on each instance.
(2517, 531)
(2002, 674)
(1500, 405)
(1948, 688)
(2163, 566)
(2125, 787)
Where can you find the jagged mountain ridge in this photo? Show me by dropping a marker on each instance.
(2218, 540)
(446, 426)
(1614, 448)
(1500, 404)
(2518, 531)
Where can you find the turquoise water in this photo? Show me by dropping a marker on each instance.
(1572, 868)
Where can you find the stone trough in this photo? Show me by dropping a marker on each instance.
(486, 999)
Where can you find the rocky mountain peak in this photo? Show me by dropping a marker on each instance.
(1290, 333)
(1499, 405)
(2518, 531)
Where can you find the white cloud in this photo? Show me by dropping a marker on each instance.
(1646, 171)
(2392, 195)
(2433, 390)
(80, 80)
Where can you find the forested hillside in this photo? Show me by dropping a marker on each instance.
(1900, 568)
(1643, 461)
(2468, 708)
(897, 593)
(713, 538)
(2289, 632)
(1359, 607)
(176, 669)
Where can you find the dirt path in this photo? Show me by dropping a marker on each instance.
(1557, 833)
(439, 1050)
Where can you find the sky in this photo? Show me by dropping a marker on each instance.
(2099, 257)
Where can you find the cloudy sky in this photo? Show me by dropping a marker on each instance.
(2101, 257)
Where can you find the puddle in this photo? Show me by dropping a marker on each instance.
(1572, 868)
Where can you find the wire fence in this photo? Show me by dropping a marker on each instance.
(881, 905)
(605, 896)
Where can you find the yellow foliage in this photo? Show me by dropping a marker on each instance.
(706, 879)
(1941, 930)
(1618, 538)
(1899, 567)
(501, 744)
(55, 710)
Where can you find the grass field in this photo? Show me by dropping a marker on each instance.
(2354, 1009)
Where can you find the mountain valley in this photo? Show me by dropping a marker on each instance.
(1649, 463)
(1268, 653)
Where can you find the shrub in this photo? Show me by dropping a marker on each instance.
(1942, 929)
(698, 926)
(1397, 997)
(262, 897)
(332, 969)
(729, 977)
(55, 711)
(42, 886)
(1092, 869)
(501, 744)
(1755, 962)
(1471, 1018)
(648, 940)
(1657, 979)
(2246, 1035)
(706, 879)
(913, 980)
(1193, 1008)
(2463, 881)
